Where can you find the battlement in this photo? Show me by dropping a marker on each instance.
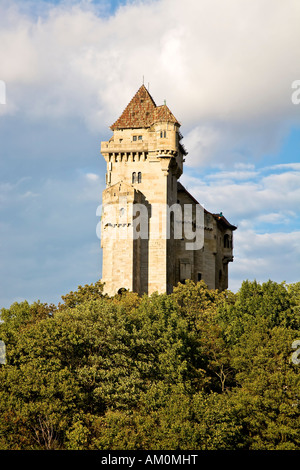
(160, 139)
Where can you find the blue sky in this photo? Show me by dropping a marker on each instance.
(225, 68)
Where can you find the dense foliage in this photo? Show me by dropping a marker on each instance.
(197, 369)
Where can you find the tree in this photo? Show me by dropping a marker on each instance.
(195, 369)
(267, 381)
(86, 293)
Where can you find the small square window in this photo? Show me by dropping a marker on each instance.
(134, 138)
(140, 137)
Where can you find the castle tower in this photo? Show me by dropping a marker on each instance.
(144, 160)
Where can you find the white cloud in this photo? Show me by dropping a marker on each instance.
(92, 177)
(265, 207)
(15, 193)
(48, 241)
(233, 175)
(247, 195)
(285, 166)
(280, 218)
(274, 256)
(244, 166)
(225, 69)
(201, 142)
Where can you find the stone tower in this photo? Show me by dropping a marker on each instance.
(144, 160)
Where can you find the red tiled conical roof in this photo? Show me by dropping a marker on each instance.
(162, 113)
(142, 112)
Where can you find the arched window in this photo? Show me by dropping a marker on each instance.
(139, 177)
(134, 177)
(122, 290)
(226, 241)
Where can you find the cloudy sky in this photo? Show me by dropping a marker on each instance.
(226, 69)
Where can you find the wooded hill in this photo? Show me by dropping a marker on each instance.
(197, 369)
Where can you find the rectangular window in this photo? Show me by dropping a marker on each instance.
(134, 138)
(199, 277)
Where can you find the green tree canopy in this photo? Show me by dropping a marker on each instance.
(196, 369)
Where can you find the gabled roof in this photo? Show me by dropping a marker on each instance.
(143, 112)
(220, 218)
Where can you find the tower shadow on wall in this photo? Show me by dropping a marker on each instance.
(141, 247)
